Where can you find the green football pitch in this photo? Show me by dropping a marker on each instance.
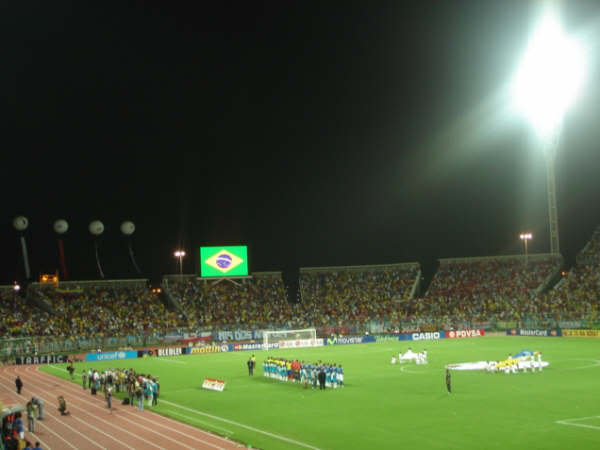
(385, 406)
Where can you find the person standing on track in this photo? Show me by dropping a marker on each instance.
(154, 392)
(19, 384)
(40, 407)
(139, 394)
(31, 417)
(131, 390)
(83, 379)
(108, 395)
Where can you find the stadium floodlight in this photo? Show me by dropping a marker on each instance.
(547, 83)
(180, 254)
(525, 237)
(16, 288)
(549, 77)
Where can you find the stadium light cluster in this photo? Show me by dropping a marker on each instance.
(549, 77)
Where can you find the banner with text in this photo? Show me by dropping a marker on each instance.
(111, 356)
(453, 334)
(46, 359)
(581, 333)
(428, 336)
(213, 385)
(209, 349)
(298, 343)
(239, 335)
(535, 332)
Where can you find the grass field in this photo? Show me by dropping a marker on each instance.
(386, 406)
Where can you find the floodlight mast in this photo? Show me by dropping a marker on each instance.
(547, 83)
(552, 147)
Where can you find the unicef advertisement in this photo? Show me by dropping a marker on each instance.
(228, 261)
(111, 356)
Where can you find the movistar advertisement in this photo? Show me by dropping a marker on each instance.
(231, 261)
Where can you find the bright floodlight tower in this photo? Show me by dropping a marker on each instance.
(548, 80)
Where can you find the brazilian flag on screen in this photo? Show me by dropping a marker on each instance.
(229, 261)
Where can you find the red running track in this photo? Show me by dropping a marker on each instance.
(92, 426)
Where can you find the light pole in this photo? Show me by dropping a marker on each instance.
(180, 254)
(16, 288)
(525, 237)
(547, 82)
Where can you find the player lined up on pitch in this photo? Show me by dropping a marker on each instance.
(521, 362)
(319, 374)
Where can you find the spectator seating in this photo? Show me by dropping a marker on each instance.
(103, 308)
(355, 294)
(480, 289)
(255, 302)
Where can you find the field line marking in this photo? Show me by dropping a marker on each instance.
(582, 425)
(179, 390)
(579, 418)
(169, 361)
(248, 427)
(596, 364)
(200, 421)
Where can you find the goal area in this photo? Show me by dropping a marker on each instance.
(290, 338)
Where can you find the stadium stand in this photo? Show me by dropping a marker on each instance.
(577, 296)
(102, 308)
(354, 295)
(463, 292)
(254, 302)
(18, 317)
(488, 288)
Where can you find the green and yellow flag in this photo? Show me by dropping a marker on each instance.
(229, 261)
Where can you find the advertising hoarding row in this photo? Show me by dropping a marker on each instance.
(534, 332)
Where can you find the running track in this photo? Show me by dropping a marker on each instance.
(91, 425)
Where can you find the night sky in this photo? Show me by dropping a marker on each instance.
(318, 133)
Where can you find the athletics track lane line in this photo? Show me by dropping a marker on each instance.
(47, 424)
(183, 429)
(221, 419)
(135, 413)
(35, 435)
(121, 411)
(127, 439)
(96, 419)
(48, 402)
(183, 426)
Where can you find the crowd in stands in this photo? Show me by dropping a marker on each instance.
(96, 311)
(462, 291)
(259, 302)
(590, 254)
(484, 289)
(105, 311)
(343, 296)
(576, 297)
(19, 318)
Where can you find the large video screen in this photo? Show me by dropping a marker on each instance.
(227, 261)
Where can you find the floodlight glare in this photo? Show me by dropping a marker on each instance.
(549, 77)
